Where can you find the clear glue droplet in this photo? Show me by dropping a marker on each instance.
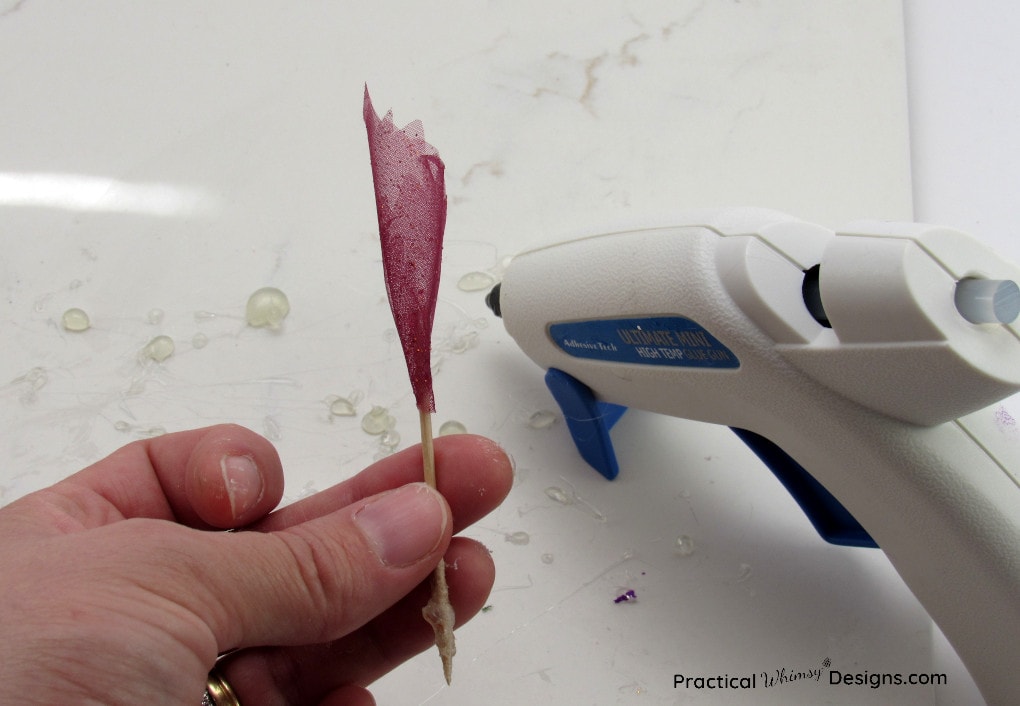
(199, 340)
(267, 308)
(464, 343)
(519, 538)
(271, 428)
(683, 546)
(452, 427)
(342, 407)
(159, 349)
(547, 558)
(542, 419)
(559, 495)
(377, 421)
(475, 282)
(745, 573)
(33, 381)
(75, 320)
(390, 439)
(155, 316)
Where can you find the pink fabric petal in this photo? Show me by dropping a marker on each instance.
(410, 199)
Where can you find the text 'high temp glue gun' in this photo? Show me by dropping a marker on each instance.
(863, 367)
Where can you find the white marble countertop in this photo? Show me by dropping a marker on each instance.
(161, 161)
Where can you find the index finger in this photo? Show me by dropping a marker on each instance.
(474, 474)
(178, 477)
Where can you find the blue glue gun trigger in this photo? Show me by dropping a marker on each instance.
(827, 514)
(589, 421)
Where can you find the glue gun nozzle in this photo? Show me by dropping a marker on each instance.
(492, 300)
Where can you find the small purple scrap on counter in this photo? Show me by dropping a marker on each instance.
(626, 596)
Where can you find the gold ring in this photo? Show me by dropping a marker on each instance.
(218, 691)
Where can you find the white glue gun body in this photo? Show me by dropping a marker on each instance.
(864, 367)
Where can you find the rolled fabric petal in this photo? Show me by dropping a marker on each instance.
(410, 198)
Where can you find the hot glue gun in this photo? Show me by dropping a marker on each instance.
(865, 367)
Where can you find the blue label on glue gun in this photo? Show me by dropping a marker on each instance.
(656, 340)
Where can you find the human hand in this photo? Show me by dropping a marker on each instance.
(115, 589)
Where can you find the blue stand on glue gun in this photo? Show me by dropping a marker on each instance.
(590, 421)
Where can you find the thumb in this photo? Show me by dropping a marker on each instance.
(319, 580)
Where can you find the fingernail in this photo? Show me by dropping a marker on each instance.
(243, 482)
(404, 525)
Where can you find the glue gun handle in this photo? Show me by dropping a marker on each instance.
(948, 517)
